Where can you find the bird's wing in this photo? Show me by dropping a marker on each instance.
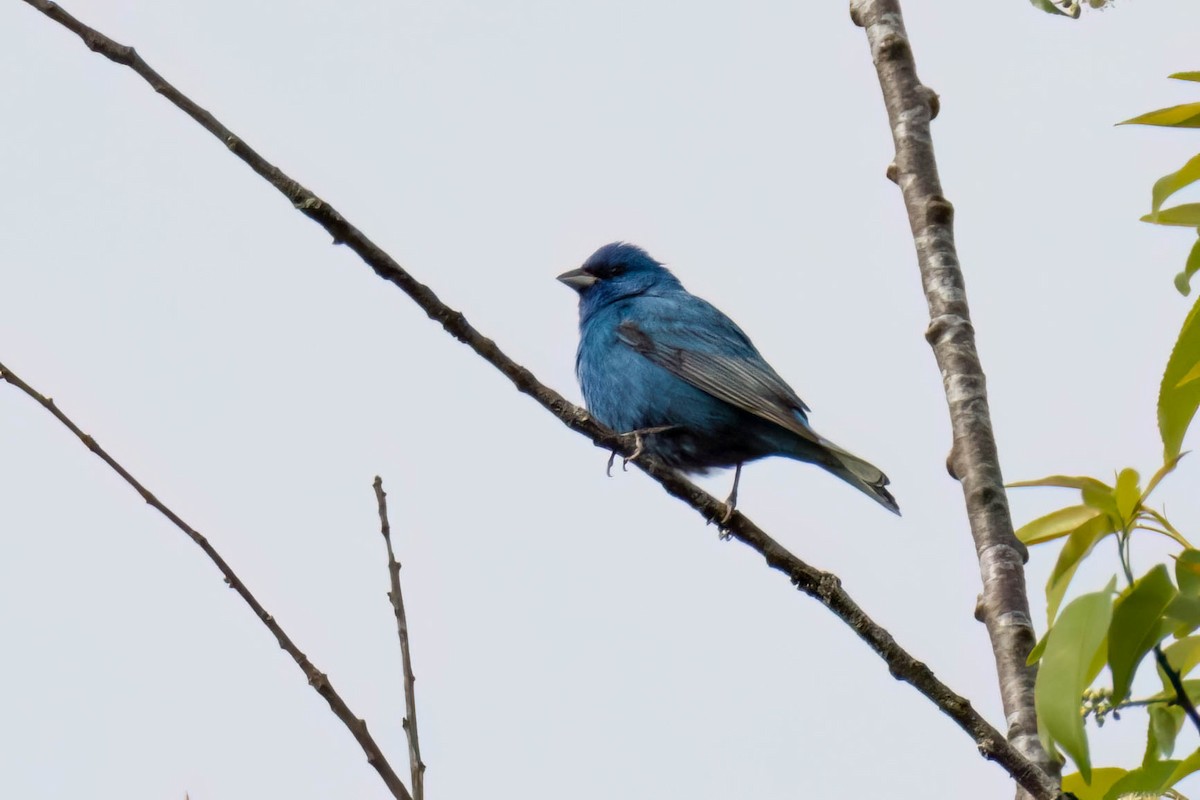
(742, 379)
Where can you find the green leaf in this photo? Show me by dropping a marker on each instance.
(1191, 376)
(1185, 76)
(1095, 493)
(1152, 752)
(1163, 471)
(1166, 528)
(1177, 402)
(1127, 494)
(1183, 281)
(1098, 660)
(1186, 215)
(1148, 779)
(1168, 185)
(1050, 8)
(1183, 614)
(1102, 780)
(1038, 649)
(1105, 501)
(1185, 768)
(1077, 547)
(1187, 572)
(1165, 724)
(1072, 645)
(1065, 482)
(1184, 116)
(1137, 627)
(1055, 524)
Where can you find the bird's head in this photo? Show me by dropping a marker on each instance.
(615, 271)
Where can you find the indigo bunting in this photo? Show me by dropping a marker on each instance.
(657, 361)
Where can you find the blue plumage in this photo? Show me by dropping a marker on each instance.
(653, 356)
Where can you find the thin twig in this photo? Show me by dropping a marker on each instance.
(1003, 604)
(1145, 702)
(317, 679)
(822, 586)
(410, 693)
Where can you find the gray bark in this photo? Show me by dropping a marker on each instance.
(1003, 604)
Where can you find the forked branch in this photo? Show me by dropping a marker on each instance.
(317, 679)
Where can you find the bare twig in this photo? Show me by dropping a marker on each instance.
(410, 693)
(317, 679)
(1003, 605)
(1181, 695)
(822, 586)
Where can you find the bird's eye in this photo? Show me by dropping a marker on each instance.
(607, 271)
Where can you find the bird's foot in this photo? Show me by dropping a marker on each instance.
(724, 532)
(639, 446)
(730, 506)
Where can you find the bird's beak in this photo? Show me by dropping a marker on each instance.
(577, 279)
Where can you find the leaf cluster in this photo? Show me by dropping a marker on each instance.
(1114, 629)
(1069, 8)
(1119, 629)
(1186, 215)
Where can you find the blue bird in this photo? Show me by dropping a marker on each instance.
(656, 360)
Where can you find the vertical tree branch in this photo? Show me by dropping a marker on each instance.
(317, 679)
(1003, 605)
(410, 693)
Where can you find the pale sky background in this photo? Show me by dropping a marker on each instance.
(574, 636)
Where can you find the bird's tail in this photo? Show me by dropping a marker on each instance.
(862, 475)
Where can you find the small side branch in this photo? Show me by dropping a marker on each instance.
(317, 679)
(410, 696)
(1181, 695)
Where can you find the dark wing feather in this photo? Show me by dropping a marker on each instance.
(747, 382)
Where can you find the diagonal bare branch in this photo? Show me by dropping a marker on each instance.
(1003, 605)
(317, 679)
(416, 765)
(822, 586)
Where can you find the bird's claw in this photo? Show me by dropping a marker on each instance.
(638, 448)
(639, 445)
(724, 532)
